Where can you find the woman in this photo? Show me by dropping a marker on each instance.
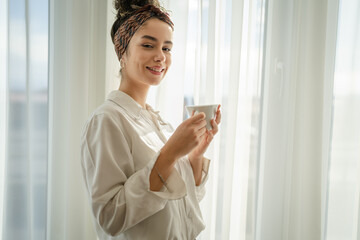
(144, 179)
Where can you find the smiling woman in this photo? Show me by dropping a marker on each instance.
(148, 56)
(144, 180)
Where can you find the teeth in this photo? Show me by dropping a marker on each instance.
(155, 69)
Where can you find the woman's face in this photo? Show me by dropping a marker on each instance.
(148, 56)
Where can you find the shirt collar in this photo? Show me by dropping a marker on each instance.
(126, 102)
(131, 106)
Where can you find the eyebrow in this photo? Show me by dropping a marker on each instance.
(155, 40)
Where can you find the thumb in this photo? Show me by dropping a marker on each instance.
(198, 117)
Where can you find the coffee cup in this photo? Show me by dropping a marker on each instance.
(209, 110)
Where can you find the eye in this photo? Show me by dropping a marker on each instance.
(167, 49)
(147, 46)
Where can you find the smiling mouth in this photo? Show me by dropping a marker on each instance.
(156, 69)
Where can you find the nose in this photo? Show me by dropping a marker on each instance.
(160, 56)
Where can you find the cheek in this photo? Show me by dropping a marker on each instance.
(168, 61)
(141, 60)
(136, 65)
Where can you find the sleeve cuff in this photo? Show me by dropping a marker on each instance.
(175, 186)
(200, 190)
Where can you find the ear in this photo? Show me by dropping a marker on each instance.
(122, 62)
(124, 58)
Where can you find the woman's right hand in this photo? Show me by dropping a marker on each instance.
(186, 137)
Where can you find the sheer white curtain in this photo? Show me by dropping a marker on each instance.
(3, 97)
(78, 50)
(78, 36)
(289, 199)
(342, 203)
(23, 119)
(49, 83)
(3, 100)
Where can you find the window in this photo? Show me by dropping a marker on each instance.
(24, 118)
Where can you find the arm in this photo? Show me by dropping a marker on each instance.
(164, 167)
(197, 164)
(119, 197)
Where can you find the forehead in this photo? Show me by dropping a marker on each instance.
(155, 28)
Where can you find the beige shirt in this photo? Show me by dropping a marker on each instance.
(120, 144)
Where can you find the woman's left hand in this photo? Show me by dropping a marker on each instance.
(198, 152)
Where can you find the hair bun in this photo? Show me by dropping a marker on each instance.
(125, 8)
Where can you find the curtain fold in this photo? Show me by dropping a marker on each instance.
(289, 201)
(3, 102)
(78, 34)
(341, 218)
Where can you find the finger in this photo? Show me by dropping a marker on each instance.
(218, 108)
(218, 117)
(201, 133)
(193, 113)
(195, 118)
(215, 127)
(201, 124)
(210, 137)
(198, 117)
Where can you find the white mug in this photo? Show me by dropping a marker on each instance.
(209, 110)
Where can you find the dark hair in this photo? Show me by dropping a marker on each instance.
(125, 8)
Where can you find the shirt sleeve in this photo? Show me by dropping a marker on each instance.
(120, 198)
(201, 190)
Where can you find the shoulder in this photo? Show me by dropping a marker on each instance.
(107, 115)
(106, 109)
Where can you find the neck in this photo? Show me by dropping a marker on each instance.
(138, 93)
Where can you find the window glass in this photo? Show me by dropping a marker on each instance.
(25, 178)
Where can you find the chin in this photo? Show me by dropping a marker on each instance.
(156, 83)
